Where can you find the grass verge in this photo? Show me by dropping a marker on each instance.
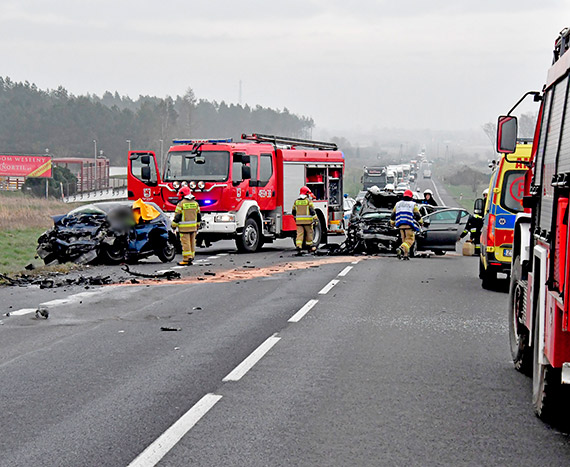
(18, 248)
(464, 195)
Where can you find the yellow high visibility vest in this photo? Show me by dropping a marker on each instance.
(189, 210)
(303, 211)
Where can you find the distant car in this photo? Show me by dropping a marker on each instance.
(108, 232)
(402, 186)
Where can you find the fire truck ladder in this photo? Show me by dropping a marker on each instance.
(307, 143)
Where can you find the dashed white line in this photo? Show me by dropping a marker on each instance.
(213, 257)
(441, 203)
(326, 289)
(23, 311)
(345, 271)
(303, 311)
(165, 442)
(239, 371)
(355, 262)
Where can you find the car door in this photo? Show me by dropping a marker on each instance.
(445, 227)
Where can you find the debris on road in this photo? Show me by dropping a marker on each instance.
(166, 328)
(209, 273)
(53, 280)
(42, 312)
(168, 274)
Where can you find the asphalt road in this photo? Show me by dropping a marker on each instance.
(397, 363)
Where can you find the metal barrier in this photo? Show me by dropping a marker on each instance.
(98, 195)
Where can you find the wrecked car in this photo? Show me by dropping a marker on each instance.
(370, 229)
(109, 232)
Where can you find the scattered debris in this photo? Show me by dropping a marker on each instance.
(168, 274)
(52, 281)
(166, 328)
(42, 312)
(29, 267)
(197, 308)
(209, 273)
(251, 266)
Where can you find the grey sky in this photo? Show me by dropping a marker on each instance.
(348, 64)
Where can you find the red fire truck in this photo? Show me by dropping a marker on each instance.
(539, 301)
(245, 189)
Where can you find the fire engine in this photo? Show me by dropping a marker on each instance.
(539, 297)
(246, 189)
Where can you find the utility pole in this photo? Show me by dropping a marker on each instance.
(239, 95)
(129, 143)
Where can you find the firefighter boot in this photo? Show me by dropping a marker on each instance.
(400, 253)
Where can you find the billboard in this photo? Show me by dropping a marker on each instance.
(25, 166)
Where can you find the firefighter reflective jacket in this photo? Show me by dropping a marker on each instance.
(187, 215)
(303, 210)
(473, 227)
(406, 214)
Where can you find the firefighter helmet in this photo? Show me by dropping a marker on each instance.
(185, 193)
(485, 192)
(408, 194)
(374, 190)
(428, 192)
(305, 190)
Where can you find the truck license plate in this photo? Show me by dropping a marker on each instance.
(508, 253)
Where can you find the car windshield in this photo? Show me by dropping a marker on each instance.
(513, 190)
(181, 165)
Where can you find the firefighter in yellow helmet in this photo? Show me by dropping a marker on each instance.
(305, 215)
(187, 218)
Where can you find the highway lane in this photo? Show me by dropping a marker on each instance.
(97, 381)
(399, 364)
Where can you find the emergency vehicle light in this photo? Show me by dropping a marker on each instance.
(194, 141)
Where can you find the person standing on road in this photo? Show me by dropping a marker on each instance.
(187, 218)
(428, 198)
(305, 215)
(406, 217)
(473, 227)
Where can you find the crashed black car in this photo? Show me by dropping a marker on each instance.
(370, 229)
(109, 232)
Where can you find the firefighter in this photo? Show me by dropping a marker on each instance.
(428, 198)
(473, 227)
(187, 218)
(406, 216)
(305, 216)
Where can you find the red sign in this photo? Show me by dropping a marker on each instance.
(25, 166)
(517, 188)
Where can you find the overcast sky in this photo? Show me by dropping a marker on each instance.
(348, 64)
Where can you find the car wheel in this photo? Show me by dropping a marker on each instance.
(439, 252)
(488, 278)
(248, 241)
(167, 253)
(112, 254)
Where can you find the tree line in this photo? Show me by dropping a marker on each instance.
(33, 121)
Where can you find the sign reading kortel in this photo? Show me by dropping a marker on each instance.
(25, 166)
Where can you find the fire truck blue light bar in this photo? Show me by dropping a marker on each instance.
(194, 141)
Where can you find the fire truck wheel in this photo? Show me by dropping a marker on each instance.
(548, 395)
(249, 240)
(521, 352)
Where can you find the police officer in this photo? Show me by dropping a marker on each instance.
(305, 215)
(428, 198)
(405, 217)
(187, 218)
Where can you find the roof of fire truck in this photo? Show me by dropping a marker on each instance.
(293, 149)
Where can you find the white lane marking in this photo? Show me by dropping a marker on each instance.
(213, 257)
(303, 311)
(163, 271)
(326, 289)
(345, 271)
(21, 312)
(441, 203)
(74, 298)
(165, 442)
(61, 301)
(179, 267)
(222, 254)
(355, 262)
(239, 371)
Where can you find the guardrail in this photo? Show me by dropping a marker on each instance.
(98, 195)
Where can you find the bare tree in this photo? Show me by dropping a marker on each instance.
(490, 129)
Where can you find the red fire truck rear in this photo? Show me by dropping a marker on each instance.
(539, 301)
(245, 189)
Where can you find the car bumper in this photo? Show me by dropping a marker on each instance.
(209, 225)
